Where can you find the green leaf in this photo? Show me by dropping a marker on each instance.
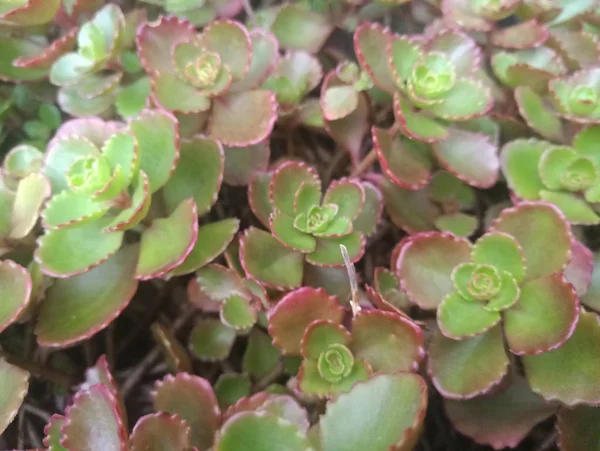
(459, 224)
(320, 335)
(575, 209)
(218, 282)
(265, 50)
(260, 431)
(508, 296)
(61, 154)
(237, 312)
(369, 217)
(501, 251)
(139, 201)
(261, 357)
(577, 428)
(464, 369)
(296, 28)
(132, 99)
(231, 387)
(468, 98)
(174, 95)
(211, 340)
(569, 374)
(403, 54)
(459, 318)
(70, 69)
(53, 434)
(157, 134)
(199, 174)
(242, 164)
(286, 183)
(520, 159)
(270, 262)
(327, 251)
(14, 48)
(538, 115)
(22, 160)
(545, 316)
(77, 307)
(283, 228)
(180, 230)
(67, 208)
(259, 197)
(31, 193)
(339, 102)
(417, 125)
(410, 210)
(75, 250)
(425, 266)
(553, 165)
(348, 195)
(369, 40)
(359, 420)
(160, 432)
(14, 383)
(231, 41)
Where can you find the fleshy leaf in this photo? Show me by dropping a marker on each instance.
(192, 398)
(282, 227)
(16, 288)
(53, 434)
(472, 157)
(180, 230)
(569, 374)
(260, 431)
(575, 209)
(231, 41)
(132, 99)
(297, 28)
(244, 118)
(261, 357)
(339, 101)
(160, 432)
(580, 269)
(157, 135)
(520, 36)
(459, 318)
(265, 49)
(501, 251)
(91, 407)
(592, 298)
(373, 335)
(14, 49)
(425, 264)
(359, 419)
(140, 204)
(267, 260)
(327, 252)
(62, 153)
(296, 311)
(533, 225)
(286, 183)
(577, 428)
(468, 98)
(460, 224)
(219, 282)
(174, 95)
(415, 124)
(502, 419)
(237, 312)
(67, 208)
(242, 164)
(369, 40)
(538, 115)
(211, 340)
(14, 383)
(464, 369)
(31, 193)
(320, 335)
(231, 387)
(259, 197)
(79, 306)
(410, 210)
(369, 217)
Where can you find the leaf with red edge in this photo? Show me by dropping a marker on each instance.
(592, 298)
(180, 230)
(369, 217)
(425, 264)
(410, 210)
(297, 28)
(193, 399)
(534, 225)
(348, 194)
(157, 135)
(50, 54)
(286, 181)
(296, 311)
(521, 36)
(569, 374)
(29, 13)
(92, 407)
(16, 287)
(416, 125)
(464, 369)
(77, 307)
(259, 197)
(579, 49)
(501, 419)
(270, 262)
(52, 434)
(538, 115)
(155, 41)
(231, 41)
(386, 341)
(328, 253)
(360, 419)
(14, 383)
(471, 157)
(14, 49)
(160, 432)
(242, 164)
(265, 52)
(369, 39)
(580, 269)
(577, 428)
(100, 374)
(406, 162)
(244, 118)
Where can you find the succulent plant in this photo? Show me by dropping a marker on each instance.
(199, 12)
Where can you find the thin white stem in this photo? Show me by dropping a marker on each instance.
(353, 281)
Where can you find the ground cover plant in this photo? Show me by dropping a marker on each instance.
(314, 225)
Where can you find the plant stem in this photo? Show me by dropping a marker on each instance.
(353, 281)
(365, 163)
(39, 371)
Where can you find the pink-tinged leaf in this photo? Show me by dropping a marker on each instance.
(14, 383)
(288, 409)
(259, 197)
(534, 225)
(13, 49)
(140, 204)
(410, 210)
(160, 432)
(287, 180)
(460, 48)
(459, 12)
(192, 398)
(157, 135)
(231, 41)
(416, 125)
(405, 162)
(198, 175)
(339, 101)
(369, 217)
(52, 434)
(50, 54)
(16, 287)
(212, 240)
(29, 13)
(538, 115)
(75, 250)
(244, 118)
(296, 28)
(369, 39)
(360, 418)
(502, 419)
(180, 230)
(242, 164)
(296, 311)
(425, 264)
(270, 262)
(260, 431)
(334, 280)
(247, 404)
(93, 423)
(471, 157)
(350, 131)
(592, 298)
(520, 36)
(577, 428)
(100, 374)
(569, 374)
(77, 307)
(93, 129)
(464, 369)
(579, 49)
(373, 336)
(265, 52)
(155, 41)
(581, 267)
(31, 193)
